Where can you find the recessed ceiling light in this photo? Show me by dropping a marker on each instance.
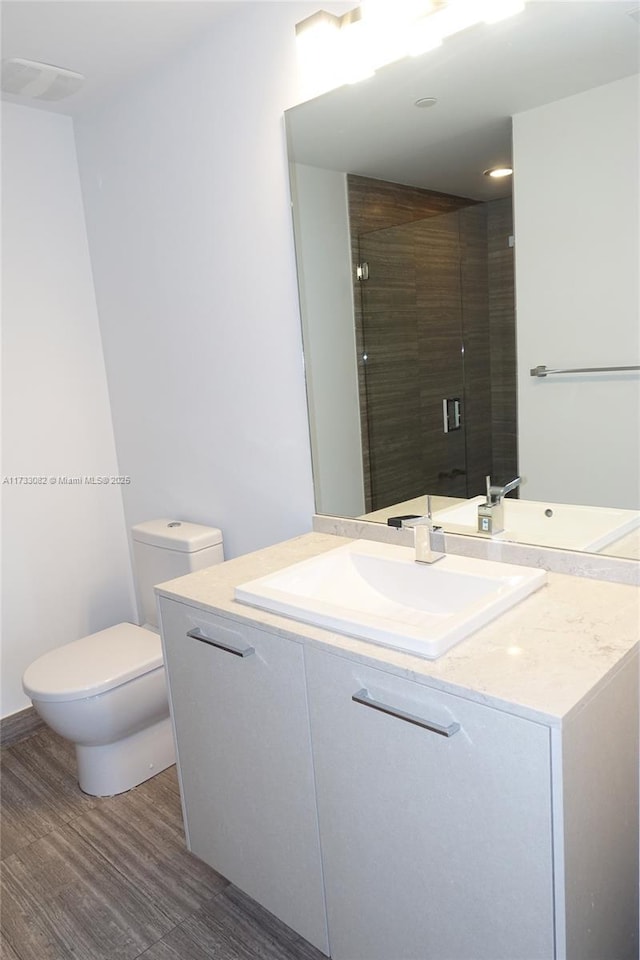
(498, 172)
(425, 102)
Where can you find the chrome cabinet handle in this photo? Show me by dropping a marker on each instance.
(362, 696)
(197, 634)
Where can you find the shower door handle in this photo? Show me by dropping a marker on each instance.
(451, 414)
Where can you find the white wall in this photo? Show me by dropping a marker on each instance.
(186, 193)
(326, 294)
(577, 287)
(66, 568)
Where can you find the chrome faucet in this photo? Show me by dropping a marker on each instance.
(496, 494)
(423, 531)
(491, 513)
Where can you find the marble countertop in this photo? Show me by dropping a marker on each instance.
(539, 660)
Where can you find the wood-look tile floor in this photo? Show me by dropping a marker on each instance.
(111, 879)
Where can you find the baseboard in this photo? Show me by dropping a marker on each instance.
(19, 726)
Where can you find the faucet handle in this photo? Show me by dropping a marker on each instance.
(495, 494)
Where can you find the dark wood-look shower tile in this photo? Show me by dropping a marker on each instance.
(394, 421)
(377, 204)
(166, 873)
(68, 901)
(474, 272)
(389, 255)
(232, 927)
(375, 208)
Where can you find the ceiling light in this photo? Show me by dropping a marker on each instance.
(317, 44)
(498, 172)
(425, 102)
(336, 50)
(356, 52)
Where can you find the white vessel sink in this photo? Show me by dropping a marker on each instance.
(563, 525)
(378, 592)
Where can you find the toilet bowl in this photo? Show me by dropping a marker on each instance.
(107, 692)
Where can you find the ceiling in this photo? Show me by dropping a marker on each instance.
(111, 42)
(481, 78)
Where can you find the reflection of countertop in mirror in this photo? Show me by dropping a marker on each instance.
(628, 546)
(418, 506)
(539, 660)
(574, 527)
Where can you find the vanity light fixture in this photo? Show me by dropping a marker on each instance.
(315, 36)
(497, 173)
(335, 50)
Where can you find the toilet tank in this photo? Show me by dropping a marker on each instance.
(165, 549)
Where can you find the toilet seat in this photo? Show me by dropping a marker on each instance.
(94, 664)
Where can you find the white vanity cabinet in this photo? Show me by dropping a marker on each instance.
(454, 830)
(244, 760)
(383, 818)
(434, 846)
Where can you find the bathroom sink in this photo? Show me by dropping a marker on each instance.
(377, 592)
(572, 527)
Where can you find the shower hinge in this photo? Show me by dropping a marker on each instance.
(362, 271)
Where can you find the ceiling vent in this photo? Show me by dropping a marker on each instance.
(39, 81)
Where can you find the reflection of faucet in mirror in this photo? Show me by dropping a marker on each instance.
(491, 513)
(423, 531)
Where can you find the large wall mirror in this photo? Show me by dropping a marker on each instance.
(458, 326)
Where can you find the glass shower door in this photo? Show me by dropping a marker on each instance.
(425, 295)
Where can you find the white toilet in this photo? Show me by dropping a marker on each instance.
(107, 692)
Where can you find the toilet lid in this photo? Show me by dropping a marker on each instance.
(93, 664)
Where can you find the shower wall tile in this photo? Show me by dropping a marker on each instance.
(377, 204)
(433, 260)
(389, 454)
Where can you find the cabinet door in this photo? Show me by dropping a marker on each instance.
(244, 758)
(434, 847)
